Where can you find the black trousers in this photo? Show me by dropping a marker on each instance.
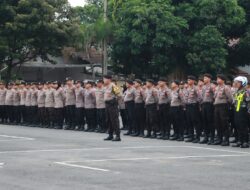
(151, 117)
(241, 123)
(193, 119)
(28, 114)
(112, 117)
(3, 113)
(23, 114)
(221, 117)
(33, 111)
(91, 117)
(177, 116)
(70, 115)
(80, 118)
(140, 118)
(123, 113)
(10, 113)
(17, 114)
(58, 121)
(49, 115)
(41, 116)
(101, 119)
(207, 111)
(164, 119)
(130, 107)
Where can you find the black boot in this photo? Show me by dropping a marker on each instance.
(244, 145)
(117, 138)
(204, 141)
(109, 138)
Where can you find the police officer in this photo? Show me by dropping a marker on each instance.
(223, 98)
(129, 100)
(207, 109)
(192, 110)
(59, 98)
(22, 91)
(100, 107)
(164, 96)
(111, 93)
(16, 104)
(9, 100)
(139, 108)
(151, 100)
(33, 104)
(90, 107)
(2, 102)
(28, 104)
(241, 111)
(70, 103)
(79, 111)
(49, 105)
(176, 111)
(41, 104)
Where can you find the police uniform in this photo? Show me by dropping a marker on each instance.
(222, 99)
(70, 103)
(241, 114)
(33, 105)
(151, 100)
(129, 100)
(80, 112)
(16, 104)
(164, 97)
(27, 106)
(177, 114)
(49, 107)
(59, 97)
(139, 110)
(41, 107)
(207, 111)
(111, 92)
(90, 108)
(100, 109)
(9, 101)
(22, 92)
(2, 104)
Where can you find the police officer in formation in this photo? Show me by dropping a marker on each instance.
(203, 111)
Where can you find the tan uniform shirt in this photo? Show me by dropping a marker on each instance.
(79, 93)
(16, 98)
(70, 96)
(2, 96)
(59, 97)
(222, 95)
(49, 98)
(9, 99)
(99, 96)
(41, 98)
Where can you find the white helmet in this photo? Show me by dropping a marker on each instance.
(242, 79)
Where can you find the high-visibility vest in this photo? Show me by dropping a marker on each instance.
(239, 99)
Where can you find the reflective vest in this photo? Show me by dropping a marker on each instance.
(239, 100)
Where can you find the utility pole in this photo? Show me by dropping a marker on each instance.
(105, 53)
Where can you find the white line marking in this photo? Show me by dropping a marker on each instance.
(160, 158)
(1, 165)
(80, 166)
(17, 137)
(118, 148)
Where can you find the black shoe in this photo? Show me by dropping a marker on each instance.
(109, 138)
(189, 140)
(233, 141)
(180, 139)
(154, 136)
(204, 141)
(117, 139)
(196, 140)
(141, 135)
(147, 136)
(174, 138)
(238, 144)
(166, 137)
(244, 145)
(211, 141)
(127, 134)
(225, 143)
(217, 142)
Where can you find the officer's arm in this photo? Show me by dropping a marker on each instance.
(229, 95)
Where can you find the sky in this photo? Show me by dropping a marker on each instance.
(76, 2)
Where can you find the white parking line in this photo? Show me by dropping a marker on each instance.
(72, 163)
(17, 137)
(80, 166)
(120, 148)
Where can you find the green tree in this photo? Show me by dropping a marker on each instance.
(33, 28)
(207, 50)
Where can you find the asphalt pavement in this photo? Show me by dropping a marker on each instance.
(50, 159)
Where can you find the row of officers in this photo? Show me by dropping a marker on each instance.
(203, 111)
